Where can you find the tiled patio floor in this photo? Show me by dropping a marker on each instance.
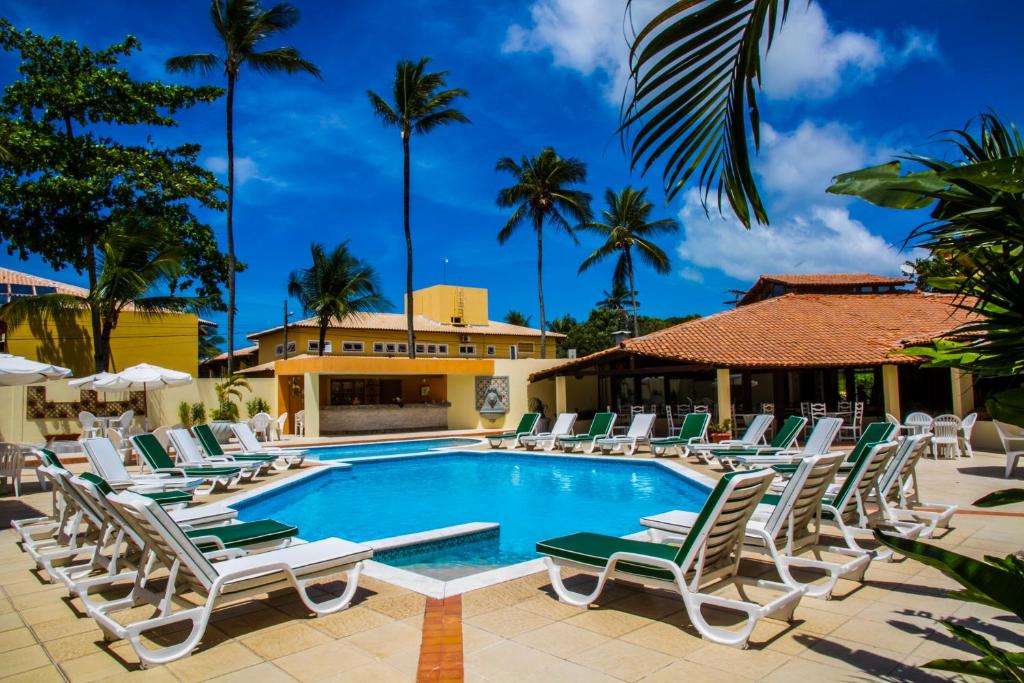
(516, 631)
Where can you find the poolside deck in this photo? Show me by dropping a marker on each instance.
(517, 631)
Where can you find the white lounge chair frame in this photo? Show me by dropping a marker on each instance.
(563, 426)
(234, 578)
(819, 442)
(900, 488)
(1008, 434)
(188, 454)
(754, 435)
(639, 432)
(250, 445)
(106, 462)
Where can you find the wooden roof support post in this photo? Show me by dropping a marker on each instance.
(561, 394)
(723, 385)
(962, 384)
(891, 390)
(311, 403)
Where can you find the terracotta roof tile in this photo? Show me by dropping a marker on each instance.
(799, 331)
(833, 279)
(14, 277)
(396, 322)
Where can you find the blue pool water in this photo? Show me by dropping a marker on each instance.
(531, 497)
(367, 450)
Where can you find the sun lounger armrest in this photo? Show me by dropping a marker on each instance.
(785, 469)
(259, 570)
(648, 560)
(220, 553)
(172, 471)
(694, 439)
(211, 540)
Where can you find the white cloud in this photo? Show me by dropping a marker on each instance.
(587, 36)
(810, 60)
(246, 169)
(819, 239)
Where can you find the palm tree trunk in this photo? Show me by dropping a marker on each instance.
(323, 336)
(540, 292)
(632, 292)
(230, 226)
(408, 247)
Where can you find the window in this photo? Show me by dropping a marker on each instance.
(279, 349)
(403, 348)
(3, 337)
(421, 348)
(352, 346)
(513, 352)
(313, 346)
(442, 349)
(467, 349)
(491, 350)
(526, 347)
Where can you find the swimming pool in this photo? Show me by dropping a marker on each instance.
(369, 450)
(532, 497)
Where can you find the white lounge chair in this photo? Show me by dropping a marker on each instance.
(527, 427)
(784, 440)
(693, 432)
(901, 488)
(546, 441)
(819, 442)
(752, 437)
(106, 462)
(709, 557)
(1008, 436)
(187, 453)
(231, 579)
(639, 432)
(247, 440)
(783, 526)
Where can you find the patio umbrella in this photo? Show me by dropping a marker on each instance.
(145, 377)
(15, 370)
(89, 382)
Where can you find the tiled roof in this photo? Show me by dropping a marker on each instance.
(396, 322)
(238, 352)
(799, 331)
(834, 279)
(14, 277)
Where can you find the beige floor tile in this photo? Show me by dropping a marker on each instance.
(508, 621)
(882, 635)
(10, 621)
(647, 605)
(668, 636)
(64, 626)
(852, 656)
(547, 606)
(352, 620)
(398, 606)
(374, 672)
(74, 646)
(474, 639)
(623, 660)
(802, 670)
(288, 639)
(512, 662)
(386, 639)
(24, 659)
(323, 661)
(691, 672)
(46, 674)
(608, 622)
(562, 640)
(95, 667)
(16, 638)
(223, 659)
(52, 608)
(261, 673)
(750, 663)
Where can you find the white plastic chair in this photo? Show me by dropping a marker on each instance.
(11, 460)
(966, 428)
(260, 424)
(161, 435)
(919, 422)
(279, 424)
(805, 410)
(1008, 434)
(124, 423)
(818, 411)
(856, 422)
(300, 423)
(90, 425)
(946, 434)
(844, 407)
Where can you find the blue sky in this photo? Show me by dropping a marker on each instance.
(847, 85)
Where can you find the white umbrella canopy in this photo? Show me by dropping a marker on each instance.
(16, 370)
(89, 382)
(142, 376)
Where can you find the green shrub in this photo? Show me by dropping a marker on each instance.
(226, 411)
(257, 405)
(198, 413)
(185, 414)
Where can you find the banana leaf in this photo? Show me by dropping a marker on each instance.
(986, 582)
(884, 186)
(996, 664)
(1004, 175)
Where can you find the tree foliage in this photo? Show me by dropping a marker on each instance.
(514, 317)
(68, 182)
(595, 333)
(335, 286)
(694, 70)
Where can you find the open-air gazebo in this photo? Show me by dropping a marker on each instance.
(790, 339)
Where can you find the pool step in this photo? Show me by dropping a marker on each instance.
(425, 537)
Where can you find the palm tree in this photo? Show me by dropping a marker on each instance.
(134, 260)
(541, 194)
(617, 299)
(514, 317)
(420, 104)
(693, 70)
(241, 26)
(628, 227)
(337, 285)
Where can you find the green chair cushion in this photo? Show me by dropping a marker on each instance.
(595, 549)
(207, 439)
(770, 499)
(210, 471)
(246, 533)
(252, 457)
(733, 452)
(169, 497)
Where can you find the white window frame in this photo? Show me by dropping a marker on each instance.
(491, 350)
(358, 347)
(513, 352)
(467, 349)
(313, 346)
(442, 349)
(378, 347)
(403, 347)
(279, 350)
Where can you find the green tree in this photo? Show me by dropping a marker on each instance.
(694, 70)
(135, 263)
(617, 298)
(209, 342)
(541, 193)
(228, 391)
(420, 103)
(66, 182)
(514, 317)
(336, 286)
(241, 26)
(627, 227)
(931, 267)
(595, 333)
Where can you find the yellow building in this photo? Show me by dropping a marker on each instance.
(365, 382)
(449, 322)
(169, 340)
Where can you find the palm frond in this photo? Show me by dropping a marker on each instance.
(383, 110)
(286, 59)
(694, 70)
(198, 63)
(54, 305)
